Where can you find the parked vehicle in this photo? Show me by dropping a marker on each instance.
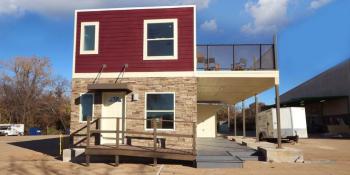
(12, 129)
(293, 124)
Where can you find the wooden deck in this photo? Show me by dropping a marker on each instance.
(138, 151)
(154, 152)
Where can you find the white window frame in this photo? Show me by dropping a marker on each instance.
(145, 39)
(82, 37)
(149, 129)
(81, 109)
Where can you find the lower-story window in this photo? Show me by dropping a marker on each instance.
(86, 106)
(161, 107)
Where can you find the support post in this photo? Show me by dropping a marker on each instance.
(154, 140)
(194, 130)
(87, 157)
(243, 118)
(235, 120)
(228, 117)
(117, 133)
(278, 115)
(256, 118)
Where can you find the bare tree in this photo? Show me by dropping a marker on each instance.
(29, 94)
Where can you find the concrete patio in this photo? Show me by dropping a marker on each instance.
(222, 153)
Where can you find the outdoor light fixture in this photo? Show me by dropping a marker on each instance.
(135, 97)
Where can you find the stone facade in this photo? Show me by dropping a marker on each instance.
(185, 90)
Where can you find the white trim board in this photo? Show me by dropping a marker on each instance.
(74, 42)
(194, 38)
(217, 74)
(135, 8)
(137, 74)
(241, 74)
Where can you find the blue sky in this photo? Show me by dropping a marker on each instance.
(313, 34)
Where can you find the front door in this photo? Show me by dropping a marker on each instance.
(112, 108)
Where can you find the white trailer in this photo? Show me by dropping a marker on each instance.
(293, 123)
(12, 129)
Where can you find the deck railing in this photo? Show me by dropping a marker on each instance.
(228, 57)
(155, 134)
(155, 131)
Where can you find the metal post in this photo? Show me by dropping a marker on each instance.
(278, 114)
(277, 94)
(235, 120)
(228, 117)
(256, 118)
(243, 119)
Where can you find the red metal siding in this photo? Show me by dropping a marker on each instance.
(121, 41)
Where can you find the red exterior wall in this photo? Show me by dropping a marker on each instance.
(121, 41)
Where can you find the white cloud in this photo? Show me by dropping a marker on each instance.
(209, 25)
(59, 8)
(268, 16)
(316, 4)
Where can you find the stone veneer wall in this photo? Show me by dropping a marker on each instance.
(185, 105)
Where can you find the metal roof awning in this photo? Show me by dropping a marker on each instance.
(120, 87)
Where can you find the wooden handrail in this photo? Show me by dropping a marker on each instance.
(92, 122)
(143, 133)
(179, 121)
(155, 132)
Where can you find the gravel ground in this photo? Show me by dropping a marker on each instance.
(36, 155)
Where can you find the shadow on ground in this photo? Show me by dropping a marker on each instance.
(47, 146)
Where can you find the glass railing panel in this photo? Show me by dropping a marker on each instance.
(220, 58)
(246, 57)
(235, 57)
(202, 57)
(267, 57)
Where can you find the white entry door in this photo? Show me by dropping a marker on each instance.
(112, 107)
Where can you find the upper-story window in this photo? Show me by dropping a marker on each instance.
(89, 37)
(160, 39)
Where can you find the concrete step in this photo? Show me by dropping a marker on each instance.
(219, 162)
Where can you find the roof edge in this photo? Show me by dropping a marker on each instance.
(135, 8)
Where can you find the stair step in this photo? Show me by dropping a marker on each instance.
(217, 159)
(219, 165)
(243, 153)
(251, 158)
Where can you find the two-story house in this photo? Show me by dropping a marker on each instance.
(140, 71)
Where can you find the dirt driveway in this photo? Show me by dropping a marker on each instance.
(31, 155)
